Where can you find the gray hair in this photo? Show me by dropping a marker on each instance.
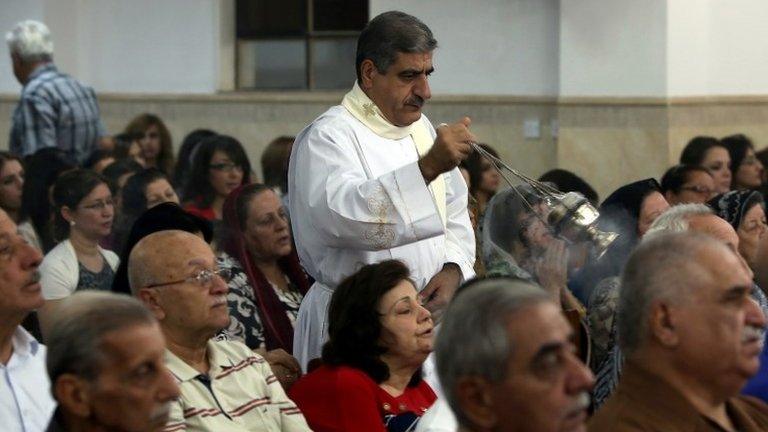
(663, 267)
(391, 33)
(31, 41)
(79, 325)
(473, 339)
(677, 219)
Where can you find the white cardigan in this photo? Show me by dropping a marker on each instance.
(60, 272)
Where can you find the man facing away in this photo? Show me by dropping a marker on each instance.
(55, 110)
(691, 335)
(224, 385)
(370, 180)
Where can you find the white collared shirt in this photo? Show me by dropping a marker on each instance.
(26, 404)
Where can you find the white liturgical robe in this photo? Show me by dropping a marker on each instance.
(357, 198)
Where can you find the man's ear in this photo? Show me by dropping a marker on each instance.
(474, 396)
(151, 299)
(73, 394)
(367, 73)
(662, 324)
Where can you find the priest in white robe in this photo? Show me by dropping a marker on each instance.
(371, 179)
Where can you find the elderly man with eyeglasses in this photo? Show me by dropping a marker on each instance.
(224, 385)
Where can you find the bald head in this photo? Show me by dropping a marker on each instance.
(163, 256)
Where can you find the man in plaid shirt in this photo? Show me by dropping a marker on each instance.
(55, 110)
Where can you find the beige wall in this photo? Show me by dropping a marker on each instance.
(255, 119)
(609, 142)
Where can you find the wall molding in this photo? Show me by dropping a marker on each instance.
(332, 97)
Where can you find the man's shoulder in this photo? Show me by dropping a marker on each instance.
(751, 407)
(336, 122)
(45, 85)
(235, 350)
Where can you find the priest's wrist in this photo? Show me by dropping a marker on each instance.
(427, 171)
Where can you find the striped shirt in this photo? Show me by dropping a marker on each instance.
(56, 110)
(238, 394)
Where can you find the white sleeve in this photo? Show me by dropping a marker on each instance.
(57, 279)
(346, 208)
(459, 235)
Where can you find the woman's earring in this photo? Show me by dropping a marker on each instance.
(71, 223)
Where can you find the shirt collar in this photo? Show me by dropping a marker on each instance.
(184, 372)
(45, 67)
(24, 344)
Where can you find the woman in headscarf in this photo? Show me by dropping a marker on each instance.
(745, 211)
(267, 283)
(628, 211)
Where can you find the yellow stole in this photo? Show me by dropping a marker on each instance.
(362, 108)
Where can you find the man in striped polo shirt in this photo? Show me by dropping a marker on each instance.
(55, 110)
(224, 385)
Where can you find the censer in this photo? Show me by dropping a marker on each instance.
(571, 216)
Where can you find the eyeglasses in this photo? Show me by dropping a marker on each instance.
(204, 278)
(100, 205)
(226, 166)
(698, 189)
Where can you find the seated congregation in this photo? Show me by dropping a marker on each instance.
(147, 290)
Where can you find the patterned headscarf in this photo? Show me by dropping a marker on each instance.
(734, 205)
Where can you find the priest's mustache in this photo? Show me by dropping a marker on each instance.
(417, 101)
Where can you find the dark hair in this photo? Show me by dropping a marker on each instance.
(162, 217)
(474, 166)
(140, 124)
(566, 181)
(737, 146)
(186, 154)
(6, 157)
(762, 155)
(354, 325)
(118, 169)
(389, 34)
(678, 175)
(46, 164)
(123, 142)
(133, 202)
(97, 156)
(274, 162)
(68, 191)
(198, 188)
(697, 148)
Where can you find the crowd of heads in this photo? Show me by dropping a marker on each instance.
(677, 294)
